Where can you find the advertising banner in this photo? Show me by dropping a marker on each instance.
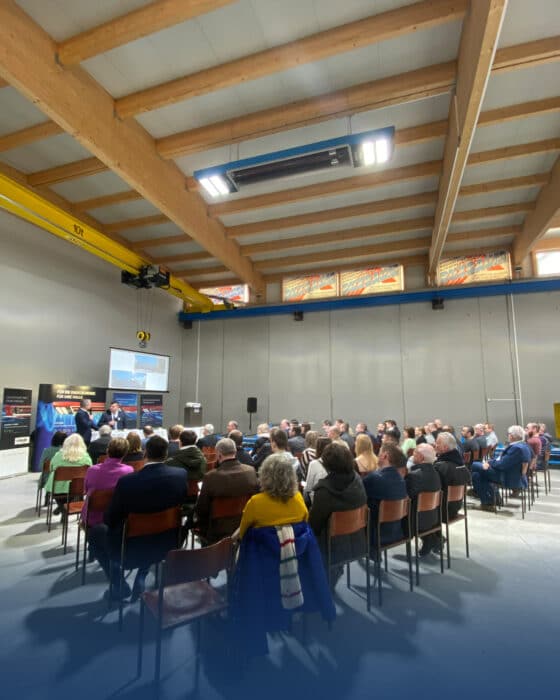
(56, 407)
(310, 287)
(151, 410)
(234, 293)
(486, 267)
(16, 419)
(129, 404)
(373, 281)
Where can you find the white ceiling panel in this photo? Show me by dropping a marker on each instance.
(124, 211)
(511, 220)
(517, 132)
(177, 249)
(16, 112)
(527, 20)
(92, 186)
(498, 243)
(522, 85)
(158, 231)
(47, 153)
(515, 167)
(497, 199)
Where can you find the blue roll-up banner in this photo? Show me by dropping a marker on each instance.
(129, 404)
(151, 410)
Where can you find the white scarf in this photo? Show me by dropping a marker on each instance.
(290, 585)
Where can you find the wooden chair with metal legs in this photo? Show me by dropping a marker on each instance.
(456, 494)
(62, 474)
(73, 505)
(97, 502)
(426, 502)
(392, 512)
(544, 469)
(222, 508)
(467, 458)
(144, 525)
(41, 485)
(185, 594)
(136, 464)
(345, 523)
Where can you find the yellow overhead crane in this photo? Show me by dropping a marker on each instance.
(24, 203)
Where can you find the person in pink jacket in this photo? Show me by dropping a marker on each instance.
(106, 475)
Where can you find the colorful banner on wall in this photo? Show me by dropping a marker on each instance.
(310, 287)
(151, 410)
(235, 293)
(129, 404)
(486, 267)
(376, 280)
(15, 426)
(56, 407)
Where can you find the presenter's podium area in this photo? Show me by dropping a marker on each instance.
(486, 628)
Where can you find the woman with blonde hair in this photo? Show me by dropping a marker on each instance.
(365, 461)
(73, 453)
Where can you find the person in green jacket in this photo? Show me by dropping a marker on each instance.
(73, 453)
(189, 456)
(49, 452)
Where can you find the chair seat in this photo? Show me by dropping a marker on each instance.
(185, 602)
(429, 531)
(456, 519)
(73, 508)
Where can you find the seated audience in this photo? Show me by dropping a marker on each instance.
(362, 429)
(334, 435)
(263, 448)
(242, 455)
(148, 431)
(209, 438)
(326, 425)
(345, 434)
(305, 428)
(135, 452)
(316, 471)
(409, 442)
(533, 439)
(154, 488)
(296, 441)
(392, 427)
(469, 444)
(340, 490)
(98, 447)
(490, 435)
(424, 477)
(279, 445)
(280, 502)
(263, 436)
(505, 469)
(451, 469)
(49, 452)
(310, 451)
(480, 437)
(285, 425)
(385, 484)
(174, 434)
(73, 453)
(189, 456)
(230, 479)
(420, 435)
(232, 425)
(105, 475)
(365, 461)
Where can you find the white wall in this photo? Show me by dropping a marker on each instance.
(61, 309)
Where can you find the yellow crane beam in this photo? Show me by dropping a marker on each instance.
(20, 201)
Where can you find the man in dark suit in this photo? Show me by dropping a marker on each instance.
(114, 416)
(451, 469)
(99, 447)
(209, 438)
(386, 484)
(84, 420)
(156, 487)
(424, 477)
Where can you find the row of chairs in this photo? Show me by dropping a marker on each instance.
(529, 483)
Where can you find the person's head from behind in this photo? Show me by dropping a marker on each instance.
(424, 454)
(305, 427)
(295, 431)
(389, 438)
(263, 429)
(232, 425)
(187, 437)
(105, 430)
(174, 432)
(445, 442)
(391, 456)
(225, 449)
(208, 429)
(58, 439)
(134, 443)
(311, 437)
(148, 431)
(515, 433)
(156, 449)
(118, 447)
(363, 445)
(334, 433)
(237, 437)
(322, 442)
(337, 459)
(285, 424)
(409, 431)
(278, 440)
(85, 404)
(73, 448)
(278, 478)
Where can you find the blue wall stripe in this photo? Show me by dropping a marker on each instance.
(462, 292)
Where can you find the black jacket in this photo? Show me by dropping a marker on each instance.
(423, 477)
(333, 493)
(207, 441)
(452, 472)
(262, 453)
(244, 457)
(99, 447)
(84, 424)
(384, 484)
(107, 417)
(191, 459)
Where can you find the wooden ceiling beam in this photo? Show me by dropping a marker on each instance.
(519, 111)
(69, 171)
(545, 244)
(539, 220)
(140, 222)
(29, 135)
(479, 40)
(106, 201)
(532, 53)
(316, 47)
(183, 257)
(492, 212)
(512, 183)
(134, 25)
(27, 60)
(510, 152)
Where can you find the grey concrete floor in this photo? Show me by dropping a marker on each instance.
(488, 627)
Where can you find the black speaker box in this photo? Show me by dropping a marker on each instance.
(252, 404)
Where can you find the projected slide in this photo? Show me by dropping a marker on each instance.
(138, 370)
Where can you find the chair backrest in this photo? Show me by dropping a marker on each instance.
(346, 522)
(135, 462)
(403, 471)
(192, 488)
(428, 500)
(524, 468)
(455, 493)
(484, 452)
(69, 473)
(101, 459)
(467, 457)
(99, 500)
(391, 511)
(140, 524)
(185, 565)
(77, 487)
(46, 466)
(209, 453)
(211, 464)
(410, 452)
(227, 507)
(475, 455)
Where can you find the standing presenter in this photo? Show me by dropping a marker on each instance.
(114, 416)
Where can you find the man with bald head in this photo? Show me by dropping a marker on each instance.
(424, 477)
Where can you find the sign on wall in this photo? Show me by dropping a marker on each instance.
(151, 410)
(56, 408)
(15, 426)
(310, 287)
(234, 293)
(486, 267)
(376, 280)
(129, 404)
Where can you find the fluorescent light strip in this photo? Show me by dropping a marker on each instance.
(368, 153)
(209, 187)
(220, 184)
(382, 150)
